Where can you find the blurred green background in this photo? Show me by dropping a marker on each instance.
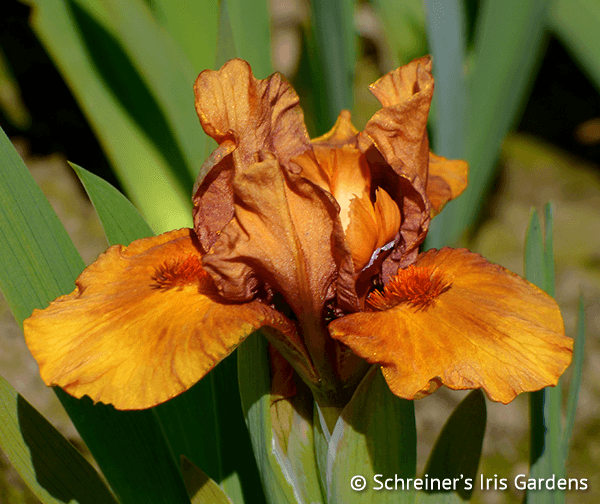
(551, 154)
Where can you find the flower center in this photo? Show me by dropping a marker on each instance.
(180, 271)
(417, 286)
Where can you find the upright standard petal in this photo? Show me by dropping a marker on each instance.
(455, 319)
(395, 141)
(398, 130)
(245, 116)
(144, 324)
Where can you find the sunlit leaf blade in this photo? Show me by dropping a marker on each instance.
(126, 120)
(457, 452)
(576, 24)
(39, 264)
(250, 26)
(193, 421)
(50, 466)
(121, 221)
(334, 54)
(445, 29)
(284, 481)
(168, 74)
(574, 387)
(201, 489)
(508, 42)
(39, 261)
(193, 24)
(375, 435)
(546, 454)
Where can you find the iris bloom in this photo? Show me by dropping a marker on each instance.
(317, 243)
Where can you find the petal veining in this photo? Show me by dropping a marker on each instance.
(144, 324)
(483, 327)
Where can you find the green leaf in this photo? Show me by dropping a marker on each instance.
(250, 26)
(201, 489)
(404, 24)
(39, 264)
(445, 28)
(289, 474)
(39, 261)
(457, 452)
(166, 71)
(509, 39)
(574, 387)
(535, 265)
(576, 24)
(193, 24)
(549, 250)
(192, 422)
(121, 221)
(50, 466)
(334, 54)
(126, 119)
(375, 435)
(225, 41)
(546, 453)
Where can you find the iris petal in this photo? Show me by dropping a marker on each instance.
(144, 324)
(484, 327)
(447, 180)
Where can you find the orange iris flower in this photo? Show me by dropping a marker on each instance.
(317, 243)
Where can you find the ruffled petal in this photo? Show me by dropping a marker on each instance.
(395, 141)
(144, 324)
(257, 114)
(245, 116)
(447, 180)
(455, 319)
(398, 130)
(342, 133)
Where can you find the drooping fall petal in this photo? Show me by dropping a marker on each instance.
(144, 324)
(455, 319)
(447, 180)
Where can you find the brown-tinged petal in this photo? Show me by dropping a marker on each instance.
(398, 130)
(144, 324)
(213, 195)
(455, 319)
(285, 235)
(395, 138)
(257, 114)
(447, 180)
(245, 116)
(342, 133)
